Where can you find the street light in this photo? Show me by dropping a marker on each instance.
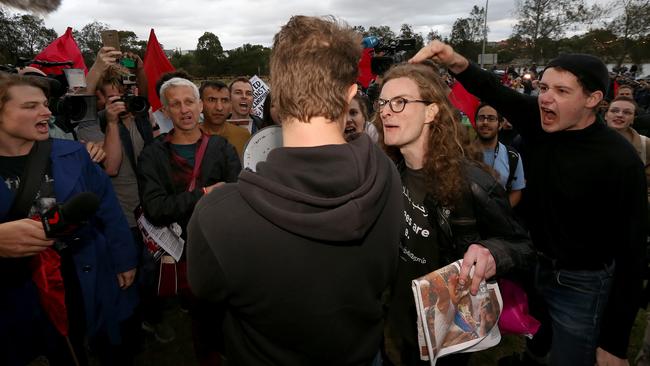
(484, 34)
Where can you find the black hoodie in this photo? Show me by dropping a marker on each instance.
(299, 254)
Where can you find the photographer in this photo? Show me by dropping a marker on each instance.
(127, 130)
(107, 57)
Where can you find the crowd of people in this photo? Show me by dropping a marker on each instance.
(308, 258)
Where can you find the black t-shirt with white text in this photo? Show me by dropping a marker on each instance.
(418, 256)
(11, 169)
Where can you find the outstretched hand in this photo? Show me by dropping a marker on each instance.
(443, 54)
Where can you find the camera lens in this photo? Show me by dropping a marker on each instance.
(135, 104)
(73, 108)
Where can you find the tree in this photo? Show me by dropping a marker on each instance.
(360, 29)
(184, 61)
(209, 54)
(467, 33)
(22, 36)
(35, 36)
(89, 40)
(432, 35)
(248, 60)
(549, 19)
(406, 31)
(383, 32)
(129, 42)
(601, 42)
(632, 23)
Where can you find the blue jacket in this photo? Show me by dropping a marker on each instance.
(101, 249)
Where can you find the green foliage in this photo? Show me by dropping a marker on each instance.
(631, 25)
(542, 20)
(433, 34)
(467, 33)
(383, 32)
(89, 40)
(129, 42)
(209, 55)
(22, 36)
(248, 60)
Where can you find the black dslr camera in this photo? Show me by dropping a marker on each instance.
(135, 104)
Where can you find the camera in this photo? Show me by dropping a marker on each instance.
(72, 109)
(393, 53)
(135, 104)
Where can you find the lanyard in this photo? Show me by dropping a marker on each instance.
(496, 153)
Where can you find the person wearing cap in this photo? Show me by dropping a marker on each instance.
(584, 204)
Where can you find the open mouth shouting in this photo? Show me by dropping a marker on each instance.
(43, 126)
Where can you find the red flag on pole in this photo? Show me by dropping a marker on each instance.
(62, 49)
(464, 101)
(155, 64)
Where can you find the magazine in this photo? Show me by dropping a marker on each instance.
(452, 320)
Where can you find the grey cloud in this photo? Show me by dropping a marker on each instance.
(179, 24)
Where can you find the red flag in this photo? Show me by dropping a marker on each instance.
(464, 101)
(62, 49)
(365, 71)
(49, 281)
(155, 64)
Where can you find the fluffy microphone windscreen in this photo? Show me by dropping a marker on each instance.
(34, 5)
(80, 207)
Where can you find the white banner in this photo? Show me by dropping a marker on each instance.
(260, 90)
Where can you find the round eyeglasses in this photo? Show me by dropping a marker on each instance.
(397, 104)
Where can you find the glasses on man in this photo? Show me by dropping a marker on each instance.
(486, 117)
(397, 104)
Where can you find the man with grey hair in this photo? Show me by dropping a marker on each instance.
(176, 170)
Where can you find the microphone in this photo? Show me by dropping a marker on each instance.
(62, 220)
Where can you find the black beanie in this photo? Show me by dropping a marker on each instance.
(589, 70)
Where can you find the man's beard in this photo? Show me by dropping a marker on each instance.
(487, 138)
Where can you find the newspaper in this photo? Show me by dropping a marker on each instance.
(159, 240)
(450, 319)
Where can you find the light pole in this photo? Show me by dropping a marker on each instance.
(484, 34)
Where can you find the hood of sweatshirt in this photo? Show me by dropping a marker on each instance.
(329, 193)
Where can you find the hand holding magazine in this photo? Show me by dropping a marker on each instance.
(450, 319)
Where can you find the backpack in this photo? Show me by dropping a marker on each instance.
(513, 160)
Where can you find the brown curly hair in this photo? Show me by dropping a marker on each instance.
(448, 143)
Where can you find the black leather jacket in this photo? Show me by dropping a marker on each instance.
(483, 216)
(163, 203)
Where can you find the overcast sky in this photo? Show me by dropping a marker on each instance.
(179, 23)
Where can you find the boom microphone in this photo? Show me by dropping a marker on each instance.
(62, 220)
(34, 5)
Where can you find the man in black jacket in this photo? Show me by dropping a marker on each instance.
(310, 240)
(585, 203)
(166, 167)
(174, 172)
